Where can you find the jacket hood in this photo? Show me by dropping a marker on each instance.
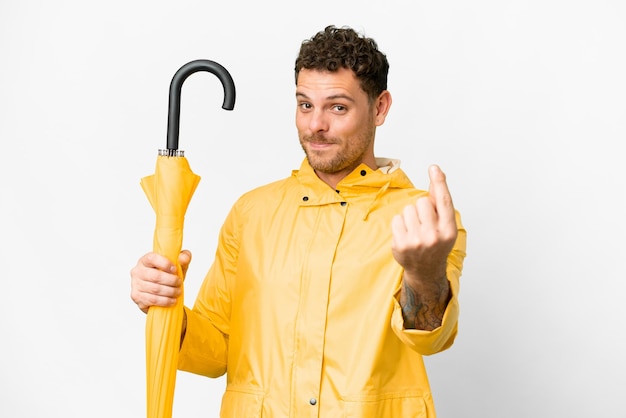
(388, 174)
(361, 183)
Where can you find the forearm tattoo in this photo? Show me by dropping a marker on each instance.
(424, 313)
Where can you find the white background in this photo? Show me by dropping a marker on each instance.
(522, 103)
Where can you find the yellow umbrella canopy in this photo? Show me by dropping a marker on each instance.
(169, 191)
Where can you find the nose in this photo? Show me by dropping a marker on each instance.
(318, 121)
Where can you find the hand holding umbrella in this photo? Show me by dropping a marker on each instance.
(169, 191)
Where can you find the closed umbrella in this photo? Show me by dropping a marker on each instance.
(169, 191)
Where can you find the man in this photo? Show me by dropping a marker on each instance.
(330, 285)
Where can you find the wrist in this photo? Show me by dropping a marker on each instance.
(424, 302)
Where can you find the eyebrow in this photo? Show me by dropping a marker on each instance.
(333, 97)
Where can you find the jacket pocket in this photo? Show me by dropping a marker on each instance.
(241, 404)
(386, 406)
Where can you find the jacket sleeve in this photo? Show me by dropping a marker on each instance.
(204, 349)
(441, 338)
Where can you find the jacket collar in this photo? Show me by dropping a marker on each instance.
(361, 182)
(388, 172)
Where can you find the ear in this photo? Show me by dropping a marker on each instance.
(382, 105)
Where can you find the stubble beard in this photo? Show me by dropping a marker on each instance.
(345, 158)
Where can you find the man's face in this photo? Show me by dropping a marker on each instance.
(336, 122)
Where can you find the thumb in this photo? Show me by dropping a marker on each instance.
(440, 196)
(436, 177)
(184, 258)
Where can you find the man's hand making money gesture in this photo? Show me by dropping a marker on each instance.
(423, 236)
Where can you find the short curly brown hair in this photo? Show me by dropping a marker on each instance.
(335, 48)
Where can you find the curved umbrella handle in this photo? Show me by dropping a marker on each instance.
(173, 118)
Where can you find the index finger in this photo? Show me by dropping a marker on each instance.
(440, 194)
(158, 261)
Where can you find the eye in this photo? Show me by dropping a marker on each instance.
(339, 108)
(305, 105)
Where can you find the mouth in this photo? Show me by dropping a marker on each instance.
(317, 143)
